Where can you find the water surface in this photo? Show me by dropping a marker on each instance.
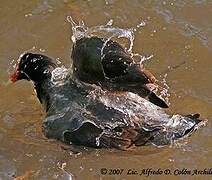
(177, 33)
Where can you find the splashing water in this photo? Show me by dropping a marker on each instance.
(144, 112)
(13, 63)
(142, 58)
(80, 30)
(141, 24)
(165, 91)
(59, 75)
(58, 61)
(62, 167)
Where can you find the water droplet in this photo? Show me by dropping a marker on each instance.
(80, 30)
(34, 60)
(110, 23)
(59, 75)
(58, 61)
(142, 24)
(46, 71)
(42, 50)
(28, 15)
(81, 168)
(187, 46)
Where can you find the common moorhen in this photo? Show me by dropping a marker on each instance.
(85, 115)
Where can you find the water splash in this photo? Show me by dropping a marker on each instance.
(14, 62)
(62, 167)
(58, 61)
(141, 24)
(142, 58)
(172, 127)
(109, 31)
(80, 30)
(165, 89)
(12, 65)
(59, 75)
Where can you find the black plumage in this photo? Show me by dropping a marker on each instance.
(74, 114)
(107, 64)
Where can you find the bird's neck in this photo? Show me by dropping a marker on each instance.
(43, 90)
(42, 83)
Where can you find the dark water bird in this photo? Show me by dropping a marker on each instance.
(85, 115)
(106, 63)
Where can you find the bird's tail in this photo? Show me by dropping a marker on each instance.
(153, 98)
(177, 128)
(148, 94)
(158, 135)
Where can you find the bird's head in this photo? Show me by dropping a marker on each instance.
(35, 67)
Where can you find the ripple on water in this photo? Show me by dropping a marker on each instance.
(8, 120)
(7, 168)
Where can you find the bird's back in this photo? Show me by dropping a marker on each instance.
(97, 119)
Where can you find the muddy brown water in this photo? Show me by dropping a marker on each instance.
(177, 33)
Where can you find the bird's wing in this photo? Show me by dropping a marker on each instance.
(119, 66)
(97, 60)
(124, 74)
(86, 55)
